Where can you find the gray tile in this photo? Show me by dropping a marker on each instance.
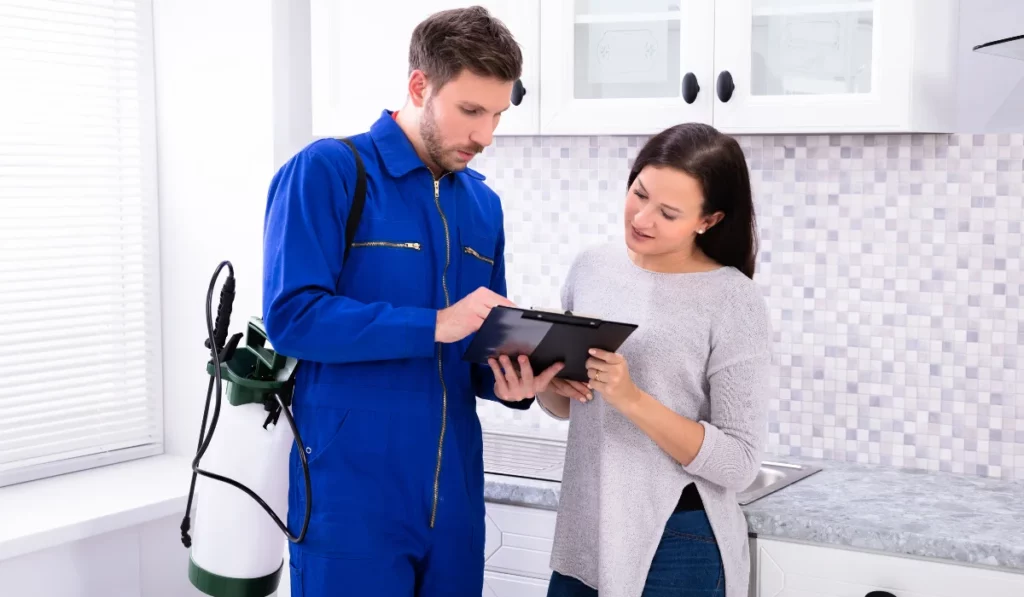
(891, 265)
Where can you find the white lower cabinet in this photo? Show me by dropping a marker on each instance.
(785, 569)
(517, 551)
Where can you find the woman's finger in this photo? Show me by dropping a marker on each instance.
(570, 389)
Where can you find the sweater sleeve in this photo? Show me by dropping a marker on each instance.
(738, 379)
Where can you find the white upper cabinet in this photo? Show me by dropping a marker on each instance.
(360, 60)
(635, 67)
(625, 66)
(834, 65)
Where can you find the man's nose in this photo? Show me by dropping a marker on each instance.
(483, 135)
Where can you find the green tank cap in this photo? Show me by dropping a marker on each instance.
(255, 373)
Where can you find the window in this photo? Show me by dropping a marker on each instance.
(80, 340)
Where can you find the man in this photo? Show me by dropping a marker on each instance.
(384, 403)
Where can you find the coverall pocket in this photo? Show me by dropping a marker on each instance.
(477, 260)
(333, 434)
(389, 262)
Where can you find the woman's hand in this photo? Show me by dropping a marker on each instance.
(513, 383)
(609, 374)
(576, 390)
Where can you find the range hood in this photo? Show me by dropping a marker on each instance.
(1009, 47)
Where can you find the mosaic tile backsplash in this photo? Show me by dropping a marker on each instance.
(891, 265)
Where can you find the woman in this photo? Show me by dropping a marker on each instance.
(671, 427)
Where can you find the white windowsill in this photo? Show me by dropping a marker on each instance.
(49, 512)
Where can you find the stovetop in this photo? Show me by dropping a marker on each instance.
(517, 455)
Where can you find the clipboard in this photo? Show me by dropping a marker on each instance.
(546, 338)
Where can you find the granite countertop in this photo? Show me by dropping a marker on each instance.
(965, 519)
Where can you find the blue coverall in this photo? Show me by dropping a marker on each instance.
(388, 416)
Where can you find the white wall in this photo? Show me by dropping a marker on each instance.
(232, 105)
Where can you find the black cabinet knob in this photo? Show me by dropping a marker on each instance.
(725, 86)
(518, 91)
(690, 88)
(879, 594)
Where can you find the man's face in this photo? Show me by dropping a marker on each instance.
(458, 121)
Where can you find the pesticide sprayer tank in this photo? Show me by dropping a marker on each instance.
(237, 549)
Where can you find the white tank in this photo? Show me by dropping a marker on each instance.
(237, 548)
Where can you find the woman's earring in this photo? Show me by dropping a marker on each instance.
(701, 231)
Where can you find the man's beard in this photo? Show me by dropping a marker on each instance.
(434, 145)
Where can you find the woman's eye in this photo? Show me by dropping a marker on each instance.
(640, 195)
(668, 217)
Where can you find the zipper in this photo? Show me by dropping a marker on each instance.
(473, 252)
(380, 243)
(440, 364)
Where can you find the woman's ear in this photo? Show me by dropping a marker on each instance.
(711, 220)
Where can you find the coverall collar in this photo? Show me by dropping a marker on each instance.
(396, 151)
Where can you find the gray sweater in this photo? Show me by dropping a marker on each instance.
(703, 348)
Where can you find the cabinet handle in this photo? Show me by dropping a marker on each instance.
(518, 91)
(725, 86)
(690, 88)
(879, 594)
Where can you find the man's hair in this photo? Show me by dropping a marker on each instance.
(451, 41)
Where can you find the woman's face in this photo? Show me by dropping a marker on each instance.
(663, 211)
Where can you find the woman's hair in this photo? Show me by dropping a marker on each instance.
(718, 164)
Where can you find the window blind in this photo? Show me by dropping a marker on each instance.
(79, 294)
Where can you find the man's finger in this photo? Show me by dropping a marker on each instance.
(510, 376)
(549, 374)
(501, 386)
(492, 298)
(526, 371)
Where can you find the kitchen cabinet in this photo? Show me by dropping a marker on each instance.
(360, 60)
(785, 569)
(618, 67)
(625, 66)
(517, 551)
(747, 66)
(834, 65)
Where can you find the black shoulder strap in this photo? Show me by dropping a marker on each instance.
(358, 199)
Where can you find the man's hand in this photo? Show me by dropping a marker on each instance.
(511, 385)
(466, 316)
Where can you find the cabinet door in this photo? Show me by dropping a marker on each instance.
(812, 65)
(507, 585)
(619, 66)
(360, 60)
(787, 569)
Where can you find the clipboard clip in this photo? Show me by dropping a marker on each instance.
(567, 318)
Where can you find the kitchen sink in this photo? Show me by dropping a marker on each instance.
(772, 477)
(530, 457)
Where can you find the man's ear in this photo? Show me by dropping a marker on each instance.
(418, 88)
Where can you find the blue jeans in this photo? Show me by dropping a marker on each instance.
(686, 562)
